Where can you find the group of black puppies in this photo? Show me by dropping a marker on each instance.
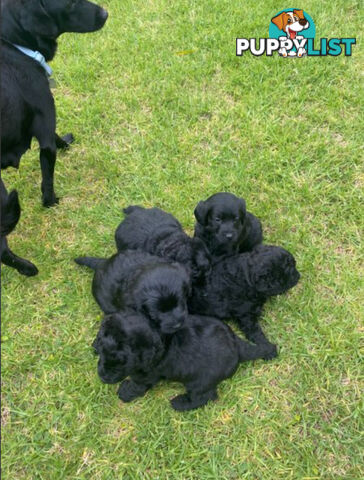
(159, 289)
(29, 32)
(164, 295)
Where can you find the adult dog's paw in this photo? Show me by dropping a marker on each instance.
(68, 139)
(27, 268)
(50, 200)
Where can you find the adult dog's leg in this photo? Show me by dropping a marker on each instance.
(44, 126)
(193, 399)
(47, 164)
(65, 141)
(11, 260)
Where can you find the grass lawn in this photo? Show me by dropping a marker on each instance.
(159, 127)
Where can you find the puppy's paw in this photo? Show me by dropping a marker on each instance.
(129, 390)
(27, 268)
(270, 352)
(181, 403)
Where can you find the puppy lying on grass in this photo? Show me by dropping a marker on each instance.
(148, 284)
(239, 285)
(200, 355)
(225, 226)
(159, 233)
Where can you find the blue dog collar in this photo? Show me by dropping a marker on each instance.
(37, 56)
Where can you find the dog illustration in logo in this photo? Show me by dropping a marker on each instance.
(291, 23)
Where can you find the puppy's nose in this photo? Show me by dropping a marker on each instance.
(302, 21)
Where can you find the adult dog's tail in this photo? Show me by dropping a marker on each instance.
(131, 209)
(10, 213)
(91, 262)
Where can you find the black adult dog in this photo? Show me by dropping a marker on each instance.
(225, 226)
(200, 355)
(159, 233)
(146, 283)
(27, 103)
(239, 285)
(10, 214)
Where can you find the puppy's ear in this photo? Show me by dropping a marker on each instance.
(36, 20)
(201, 212)
(261, 278)
(278, 20)
(242, 208)
(299, 13)
(151, 353)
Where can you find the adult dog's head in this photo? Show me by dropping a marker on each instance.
(272, 270)
(125, 343)
(160, 292)
(221, 222)
(37, 23)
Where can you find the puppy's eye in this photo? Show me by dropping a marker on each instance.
(295, 19)
(289, 21)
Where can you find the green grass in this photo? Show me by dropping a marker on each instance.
(159, 128)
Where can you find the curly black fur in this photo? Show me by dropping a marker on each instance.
(200, 355)
(143, 282)
(225, 226)
(238, 287)
(160, 233)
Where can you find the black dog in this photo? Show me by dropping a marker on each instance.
(238, 287)
(225, 226)
(27, 103)
(159, 233)
(143, 282)
(200, 355)
(10, 214)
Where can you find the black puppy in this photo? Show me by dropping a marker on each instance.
(148, 284)
(225, 226)
(159, 233)
(239, 285)
(10, 214)
(200, 355)
(29, 30)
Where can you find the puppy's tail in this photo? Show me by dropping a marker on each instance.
(10, 213)
(91, 262)
(131, 209)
